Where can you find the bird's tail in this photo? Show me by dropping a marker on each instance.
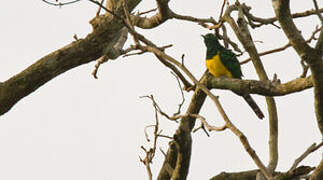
(253, 106)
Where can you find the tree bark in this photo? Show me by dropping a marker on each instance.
(105, 34)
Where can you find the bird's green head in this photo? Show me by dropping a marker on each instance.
(211, 41)
(212, 45)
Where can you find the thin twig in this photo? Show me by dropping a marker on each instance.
(317, 11)
(203, 128)
(59, 3)
(308, 151)
(305, 68)
(147, 161)
(222, 8)
(207, 125)
(146, 12)
(172, 118)
(146, 133)
(151, 47)
(182, 93)
(165, 136)
(129, 22)
(99, 62)
(100, 7)
(282, 48)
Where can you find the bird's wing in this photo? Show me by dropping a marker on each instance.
(230, 61)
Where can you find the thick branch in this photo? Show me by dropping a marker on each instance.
(160, 17)
(265, 88)
(245, 175)
(179, 170)
(284, 17)
(251, 175)
(319, 44)
(164, 13)
(313, 57)
(187, 124)
(80, 52)
(318, 172)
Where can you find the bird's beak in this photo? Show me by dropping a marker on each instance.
(202, 35)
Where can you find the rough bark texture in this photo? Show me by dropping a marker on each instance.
(106, 33)
(266, 88)
(318, 173)
(251, 175)
(312, 56)
(183, 133)
(242, 32)
(247, 175)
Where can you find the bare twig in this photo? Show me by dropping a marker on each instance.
(100, 61)
(165, 136)
(146, 133)
(147, 161)
(308, 151)
(172, 118)
(146, 12)
(162, 151)
(112, 52)
(229, 124)
(100, 7)
(151, 153)
(305, 68)
(203, 128)
(257, 21)
(134, 47)
(194, 19)
(310, 39)
(207, 125)
(129, 22)
(182, 93)
(241, 30)
(222, 8)
(151, 47)
(318, 12)
(59, 3)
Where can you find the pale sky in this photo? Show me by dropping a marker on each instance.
(76, 127)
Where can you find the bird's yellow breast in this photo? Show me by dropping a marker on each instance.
(216, 67)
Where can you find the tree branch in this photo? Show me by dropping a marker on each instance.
(287, 45)
(313, 57)
(265, 21)
(105, 35)
(183, 135)
(265, 88)
(308, 151)
(284, 17)
(245, 38)
(187, 124)
(251, 175)
(318, 172)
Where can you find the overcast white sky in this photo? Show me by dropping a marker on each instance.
(76, 127)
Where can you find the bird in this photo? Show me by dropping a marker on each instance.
(222, 62)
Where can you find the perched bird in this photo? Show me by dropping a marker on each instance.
(221, 61)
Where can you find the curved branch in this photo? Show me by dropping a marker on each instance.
(284, 17)
(265, 21)
(186, 126)
(244, 36)
(313, 58)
